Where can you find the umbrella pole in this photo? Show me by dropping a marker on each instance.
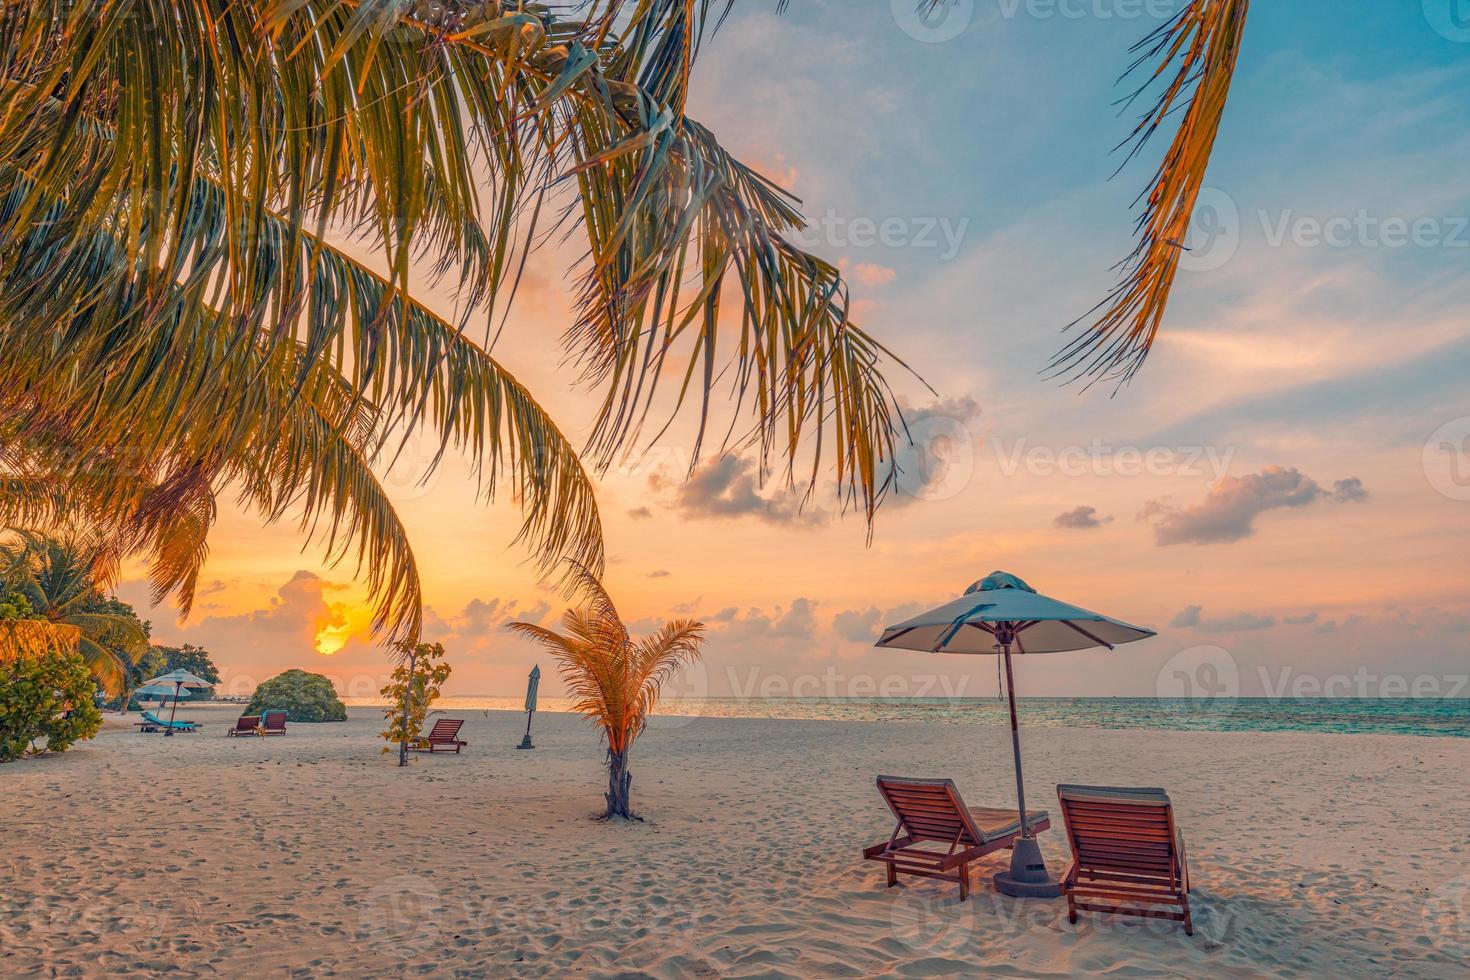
(178, 685)
(1015, 740)
(1027, 877)
(526, 742)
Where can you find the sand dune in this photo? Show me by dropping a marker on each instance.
(311, 854)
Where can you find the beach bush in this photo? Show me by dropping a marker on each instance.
(304, 696)
(45, 703)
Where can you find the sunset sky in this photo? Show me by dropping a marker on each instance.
(1284, 488)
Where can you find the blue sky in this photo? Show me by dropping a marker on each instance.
(1290, 370)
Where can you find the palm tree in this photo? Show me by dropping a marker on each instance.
(178, 318)
(60, 580)
(613, 679)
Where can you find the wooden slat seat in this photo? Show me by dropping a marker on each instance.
(444, 734)
(937, 836)
(1127, 853)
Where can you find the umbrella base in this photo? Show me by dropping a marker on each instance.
(1028, 877)
(526, 743)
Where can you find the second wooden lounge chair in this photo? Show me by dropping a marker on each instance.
(274, 722)
(245, 725)
(1127, 854)
(931, 811)
(445, 734)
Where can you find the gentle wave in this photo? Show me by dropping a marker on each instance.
(1385, 716)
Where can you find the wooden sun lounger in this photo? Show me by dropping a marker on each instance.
(245, 725)
(274, 722)
(931, 811)
(1127, 854)
(444, 733)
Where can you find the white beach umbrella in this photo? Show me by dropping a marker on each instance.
(180, 679)
(995, 614)
(159, 692)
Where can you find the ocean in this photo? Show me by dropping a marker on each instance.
(1383, 716)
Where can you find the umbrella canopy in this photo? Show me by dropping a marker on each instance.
(995, 614)
(160, 692)
(180, 678)
(1001, 601)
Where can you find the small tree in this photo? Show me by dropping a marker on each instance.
(195, 660)
(416, 683)
(613, 679)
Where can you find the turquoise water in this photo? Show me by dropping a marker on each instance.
(1385, 716)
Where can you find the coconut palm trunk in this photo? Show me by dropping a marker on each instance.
(619, 786)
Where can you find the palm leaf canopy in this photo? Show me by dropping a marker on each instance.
(181, 321)
(611, 678)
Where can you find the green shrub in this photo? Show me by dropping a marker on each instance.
(303, 696)
(45, 704)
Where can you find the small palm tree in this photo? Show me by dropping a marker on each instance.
(613, 679)
(60, 579)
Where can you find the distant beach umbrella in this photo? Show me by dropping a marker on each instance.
(159, 692)
(995, 614)
(180, 679)
(533, 682)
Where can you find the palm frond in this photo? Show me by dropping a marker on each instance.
(610, 678)
(1194, 55)
(35, 638)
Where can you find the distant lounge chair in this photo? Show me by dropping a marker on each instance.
(1127, 854)
(274, 722)
(445, 733)
(931, 811)
(245, 725)
(153, 723)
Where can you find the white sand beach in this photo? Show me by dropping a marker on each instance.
(132, 855)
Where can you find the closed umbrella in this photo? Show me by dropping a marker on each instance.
(532, 683)
(180, 679)
(994, 615)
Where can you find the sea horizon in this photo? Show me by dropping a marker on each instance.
(1378, 715)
